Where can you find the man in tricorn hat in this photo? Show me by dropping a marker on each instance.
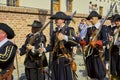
(115, 51)
(112, 26)
(7, 52)
(61, 48)
(94, 63)
(34, 61)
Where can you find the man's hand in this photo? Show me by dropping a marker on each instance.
(41, 50)
(111, 38)
(118, 39)
(61, 36)
(93, 44)
(29, 47)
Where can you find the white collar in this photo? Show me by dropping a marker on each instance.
(90, 25)
(113, 25)
(97, 25)
(3, 42)
(61, 27)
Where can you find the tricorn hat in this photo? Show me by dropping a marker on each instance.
(36, 24)
(60, 15)
(113, 17)
(94, 14)
(88, 18)
(9, 31)
(117, 18)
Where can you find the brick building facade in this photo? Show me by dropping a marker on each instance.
(18, 18)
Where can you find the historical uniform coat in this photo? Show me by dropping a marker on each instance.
(115, 55)
(61, 69)
(34, 62)
(7, 54)
(95, 67)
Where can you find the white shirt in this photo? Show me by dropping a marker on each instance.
(3, 42)
(61, 27)
(97, 25)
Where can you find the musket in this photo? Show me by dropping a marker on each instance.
(32, 40)
(96, 36)
(62, 47)
(35, 35)
(97, 33)
(71, 17)
(67, 22)
(103, 22)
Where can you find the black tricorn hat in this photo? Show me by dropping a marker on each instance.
(94, 14)
(113, 17)
(36, 24)
(117, 18)
(9, 31)
(88, 18)
(60, 15)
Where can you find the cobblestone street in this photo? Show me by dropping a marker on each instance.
(78, 59)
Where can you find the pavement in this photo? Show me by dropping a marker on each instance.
(81, 73)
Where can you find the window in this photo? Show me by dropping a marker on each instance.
(69, 5)
(101, 10)
(56, 5)
(12, 2)
(55, 0)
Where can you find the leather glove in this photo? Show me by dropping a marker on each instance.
(61, 36)
(93, 44)
(99, 43)
(82, 42)
(29, 47)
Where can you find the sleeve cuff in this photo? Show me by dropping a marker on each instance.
(44, 50)
(66, 38)
(33, 50)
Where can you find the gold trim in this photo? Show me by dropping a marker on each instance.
(8, 55)
(5, 52)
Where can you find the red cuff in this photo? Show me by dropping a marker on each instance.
(82, 42)
(99, 43)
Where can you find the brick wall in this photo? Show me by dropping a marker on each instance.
(18, 19)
